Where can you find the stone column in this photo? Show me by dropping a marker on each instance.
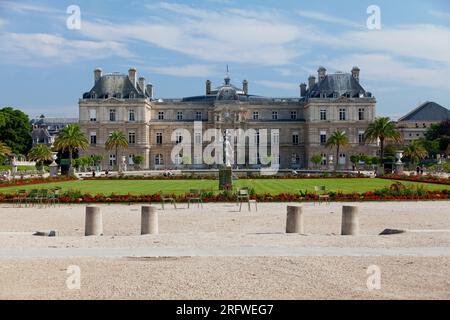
(294, 219)
(53, 169)
(93, 222)
(149, 220)
(350, 220)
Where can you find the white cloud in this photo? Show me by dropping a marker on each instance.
(278, 84)
(319, 16)
(439, 14)
(386, 69)
(43, 49)
(252, 37)
(191, 70)
(27, 7)
(427, 42)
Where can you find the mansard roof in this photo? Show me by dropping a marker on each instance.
(427, 111)
(337, 85)
(115, 85)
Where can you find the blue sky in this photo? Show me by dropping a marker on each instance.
(177, 45)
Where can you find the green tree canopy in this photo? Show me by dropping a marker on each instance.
(382, 129)
(40, 153)
(339, 140)
(415, 152)
(70, 139)
(15, 130)
(316, 159)
(116, 140)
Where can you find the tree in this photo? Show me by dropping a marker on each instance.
(15, 130)
(116, 140)
(337, 139)
(355, 158)
(71, 139)
(415, 152)
(4, 149)
(382, 129)
(316, 159)
(40, 153)
(97, 159)
(138, 160)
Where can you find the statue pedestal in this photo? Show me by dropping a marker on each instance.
(225, 179)
(53, 169)
(399, 168)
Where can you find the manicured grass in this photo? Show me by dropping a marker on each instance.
(273, 186)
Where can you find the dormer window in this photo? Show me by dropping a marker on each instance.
(132, 95)
(93, 95)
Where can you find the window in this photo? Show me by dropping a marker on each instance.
(197, 138)
(178, 137)
(342, 114)
(361, 137)
(342, 158)
(361, 114)
(93, 115)
(324, 159)
(323, 137)
(178, 159)
(131, 137)
(159, 159)
(257, 137)
(198, 116)
(179, 115)
(112, 159)
(160, 115)
(323, 114)
(295, 158)
(159, 138)
(275, 138)
(131, 159)
(295, 138)
(293, 115)
(93, 137)
(255, 115)
(274, 115)
(131, 115)
(112, 115)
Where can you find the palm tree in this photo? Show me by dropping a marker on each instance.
(71, 139)
(116, 140)
(40, 153)
(382, 129)
(4, 149)
(415, 152)
(337, 139)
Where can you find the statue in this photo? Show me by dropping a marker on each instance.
(229, 153)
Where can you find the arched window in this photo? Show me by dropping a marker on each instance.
(93, 95)
(159, 159)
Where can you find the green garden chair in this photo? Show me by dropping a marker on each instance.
(321, 191)
(33, 197)
(195, 195)
(43, 197)
(20, 198)
(167, 197)
(53, 196)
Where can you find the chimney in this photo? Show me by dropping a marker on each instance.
(208, 87)
(142, 84)
(150, 90)
(311, 82)
(302, 89)
(132, 76)
(322, 72)
(245, 87)
(97, 74)
(355, 73)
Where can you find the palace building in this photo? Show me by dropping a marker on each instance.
(329, 102)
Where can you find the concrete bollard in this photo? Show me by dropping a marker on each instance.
(294, 219)
(350, 221)
(94, 222)
(149, 220)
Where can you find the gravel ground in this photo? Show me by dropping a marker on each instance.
(218, 228)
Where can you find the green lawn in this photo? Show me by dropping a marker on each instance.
(180, 186)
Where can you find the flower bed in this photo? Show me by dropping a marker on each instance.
(23, 182)
(387, 194)
(202, 177)
(423, 179)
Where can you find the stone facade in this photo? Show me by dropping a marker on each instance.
(120, 102)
